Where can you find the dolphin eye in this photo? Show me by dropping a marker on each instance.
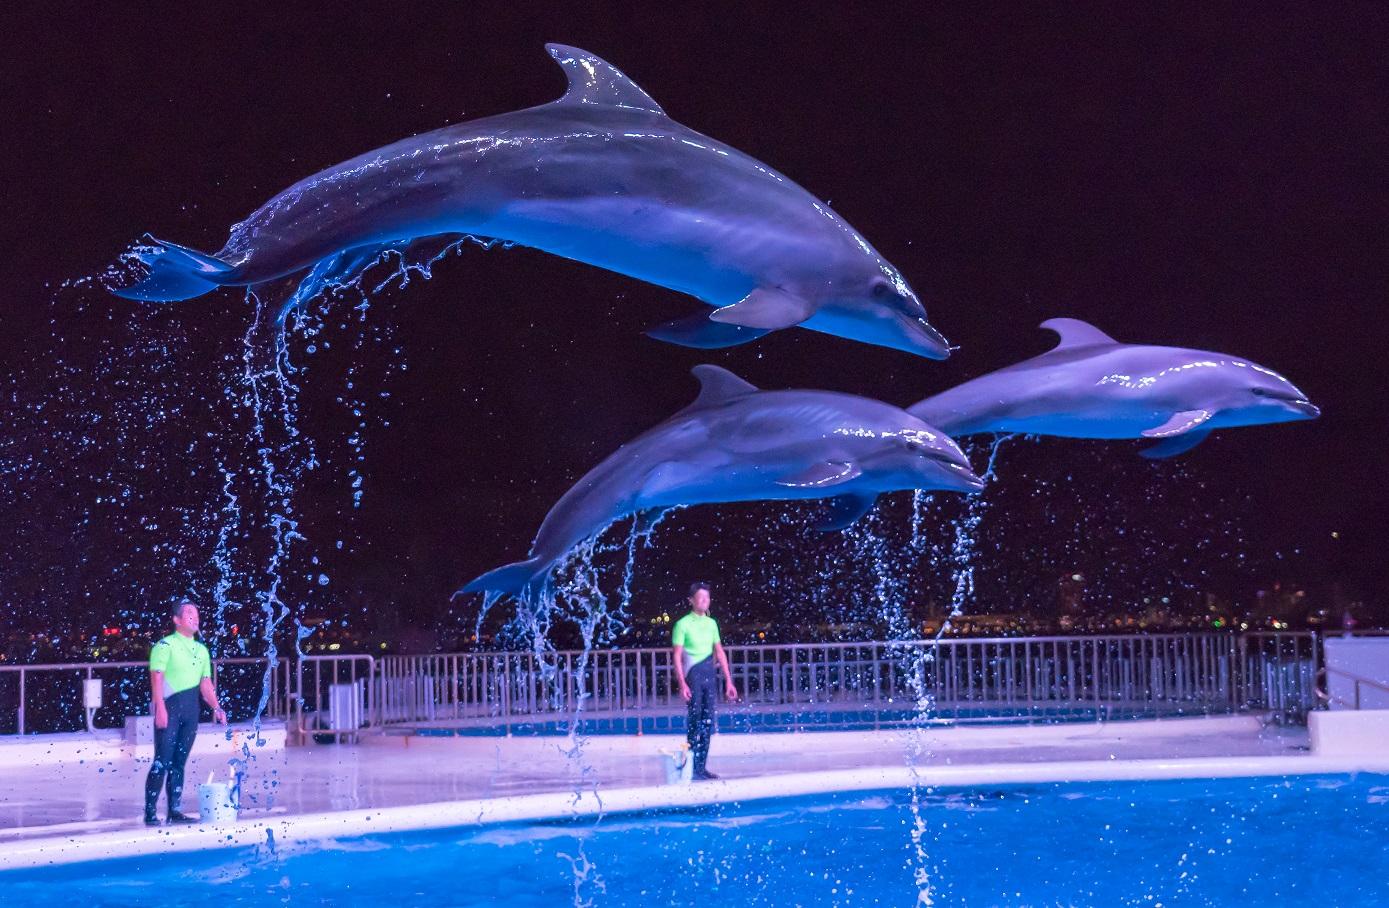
(882, 290)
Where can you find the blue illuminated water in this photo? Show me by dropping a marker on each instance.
(1274, 842)
(733, 719)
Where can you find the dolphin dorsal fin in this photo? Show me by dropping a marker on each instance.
(717, 385)
(1076, 333)
(593, 80)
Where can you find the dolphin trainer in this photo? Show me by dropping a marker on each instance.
(600, 176)
(1091, 386)
(738, 443)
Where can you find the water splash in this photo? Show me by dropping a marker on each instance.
(966, 542)
(573, 598)
(871, 542)
(267, 390)
(223, 559)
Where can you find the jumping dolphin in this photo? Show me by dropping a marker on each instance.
(1091, 386)
(738, 443)
(601, 176)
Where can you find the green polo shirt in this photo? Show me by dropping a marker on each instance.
(697, 634)
(184, 661)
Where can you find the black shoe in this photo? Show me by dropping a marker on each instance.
(704, 775)
(176, 817)
(151, 820)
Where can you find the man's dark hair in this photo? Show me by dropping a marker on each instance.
(696, 587)
(177, 609)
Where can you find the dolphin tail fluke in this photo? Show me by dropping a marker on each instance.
(511, 579)
(175, 273)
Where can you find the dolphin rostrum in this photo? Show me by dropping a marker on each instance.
(738, 443)
(601, 176)
(1092, 386)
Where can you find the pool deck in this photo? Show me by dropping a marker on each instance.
(57, 812)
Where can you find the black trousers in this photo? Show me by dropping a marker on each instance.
(702, 679)
(172, 745)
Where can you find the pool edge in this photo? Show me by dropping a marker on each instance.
(49, 851)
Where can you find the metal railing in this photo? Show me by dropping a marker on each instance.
(1132, 675)
(308, 699)
(1358, 682)
(1104, 676)
(48, 698)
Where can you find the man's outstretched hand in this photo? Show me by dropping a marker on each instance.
(730, 691)
(685, 691)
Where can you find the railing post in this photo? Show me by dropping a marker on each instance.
(1240, 670)
(797, 689)
(1095, 674)
(877, 672)
(1316, 670)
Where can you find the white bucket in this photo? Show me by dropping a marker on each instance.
(679, 767)
(215, 803)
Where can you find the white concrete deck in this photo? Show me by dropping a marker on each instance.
(76, 811)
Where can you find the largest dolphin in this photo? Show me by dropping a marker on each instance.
(601, 176)
(1091, 386)
(738, 443)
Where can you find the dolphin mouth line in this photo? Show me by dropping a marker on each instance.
(947, 460)
(934, 335)
(967, 474)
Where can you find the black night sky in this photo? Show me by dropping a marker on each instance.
(1212, 177)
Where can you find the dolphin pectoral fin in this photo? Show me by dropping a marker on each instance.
(1176, 444)
(766, 308)
(699, 332)
(845, 510)
(1179, 424)
(823, 475)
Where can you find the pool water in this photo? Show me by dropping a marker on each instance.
(732, 720)
(1271, 842)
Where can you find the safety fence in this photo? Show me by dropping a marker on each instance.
(1116, 676)
(60, 697)
(1105, 676)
